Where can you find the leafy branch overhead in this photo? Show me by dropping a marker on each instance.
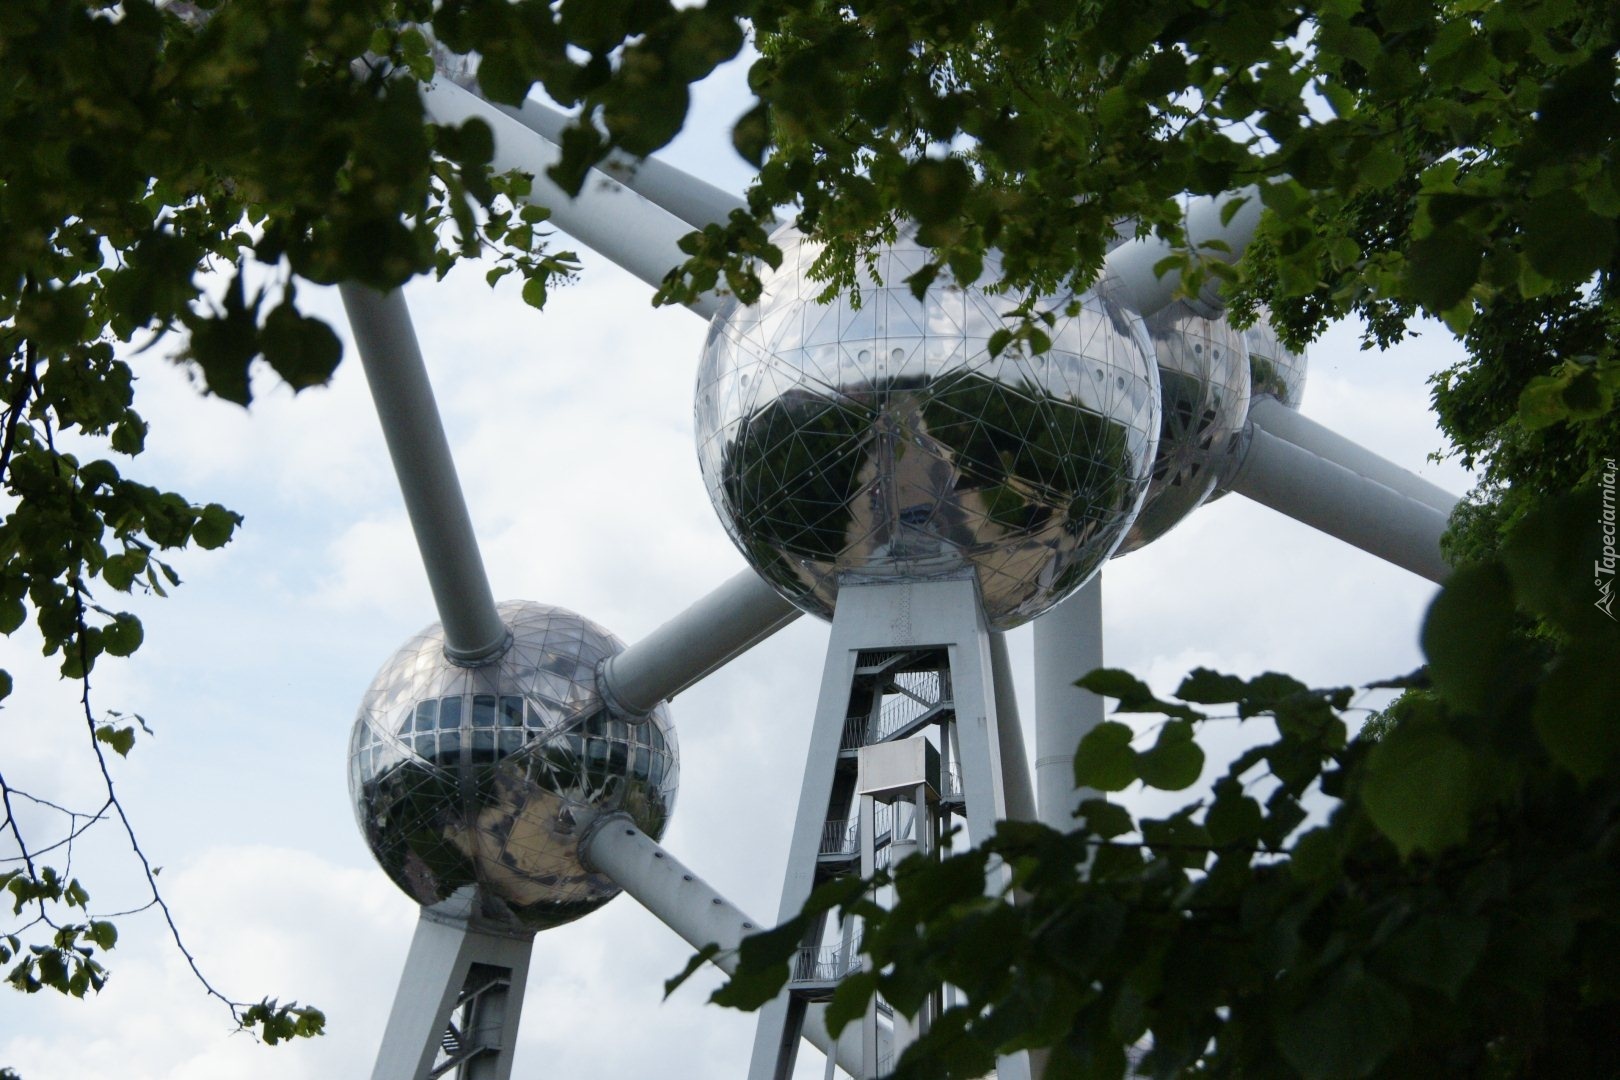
(1440, 899)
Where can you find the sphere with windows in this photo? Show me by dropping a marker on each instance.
(487, 776)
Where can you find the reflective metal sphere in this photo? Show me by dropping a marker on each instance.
(1274, 370)
(1204, 383)
(883, 443)
(488, 775)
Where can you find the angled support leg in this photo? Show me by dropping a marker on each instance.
(459, 999)
(902, 659)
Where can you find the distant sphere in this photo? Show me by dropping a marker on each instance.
(883, 443)
(1274, 370)
(1204, 388)
(487, 776)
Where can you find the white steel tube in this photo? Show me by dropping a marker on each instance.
(696, 202)
(1020, 793)
(1132, 262)
(392, 361)
(1277, 419)
(1068, 644)
(604, 216)
(728, 622)
(1327, 496)
(692, 908)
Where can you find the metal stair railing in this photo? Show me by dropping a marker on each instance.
(911, 704)
(842, 836)
(826, 963)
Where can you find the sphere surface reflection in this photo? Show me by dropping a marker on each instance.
(1204, 388)
(884, 443)
(1275, 369)
(487, 776)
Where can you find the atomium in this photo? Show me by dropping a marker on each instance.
(882, 441)
(1204, 394)
(489, 775)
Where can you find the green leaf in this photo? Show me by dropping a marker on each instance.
(1105, 819)
(12, 613)
(1442, 268)
(1466, 634)
(103, 933)
(214, 526)
(120, 739)
(1560, 559)
(693, 964)
(1565, 240)
(751, 135)
(1233, 818)
(534, 292)
(1206, 687)
(1436, 950)
(1418, 789)
(1133, 694)
(1345, 1027)
(123, 635)
(302, 350)
(1381, 168)
(1574, 712)
(1541, 402)
(850, 999)
(933, 190)
(1105, 759)
(1175, 760)
(1179, 840)
(1316, 856)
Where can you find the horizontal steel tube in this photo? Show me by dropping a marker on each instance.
(692, 908)
(696, 202)
(728, 622)
(1277, 419)
(392, 361)
(1327, 496)
(605, 216)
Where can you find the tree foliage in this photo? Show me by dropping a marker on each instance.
(1456, 913)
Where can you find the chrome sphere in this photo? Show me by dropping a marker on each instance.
(882, 442)
(1274, 369)
(1204, 387)
(487, 776)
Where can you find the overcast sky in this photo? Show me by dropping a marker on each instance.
(572, 432)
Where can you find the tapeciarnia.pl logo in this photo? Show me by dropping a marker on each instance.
(1603, 567)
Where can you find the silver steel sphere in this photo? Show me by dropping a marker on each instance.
(882, 442)
(1274, 369)
(487, 776)
(1204, 387)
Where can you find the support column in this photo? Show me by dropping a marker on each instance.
(1068, 644)
(457, 963)
(874, 618)
(1021, 799)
